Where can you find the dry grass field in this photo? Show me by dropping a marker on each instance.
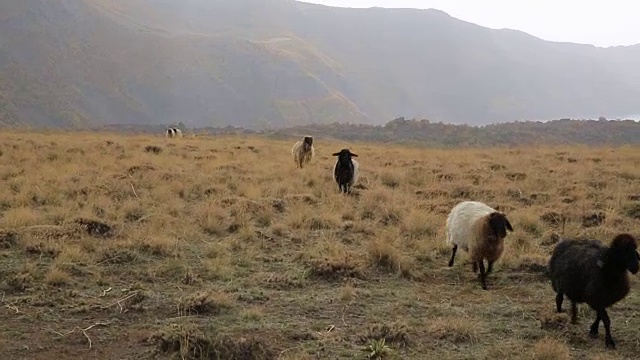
(142, 247)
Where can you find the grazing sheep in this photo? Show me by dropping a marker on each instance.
(586, 271)
(480, 230)
(345, 172)
(303, 151)
(173, 132)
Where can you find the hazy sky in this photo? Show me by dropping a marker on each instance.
(602, 23)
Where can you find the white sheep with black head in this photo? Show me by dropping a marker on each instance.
(173, 132)
(345, 172)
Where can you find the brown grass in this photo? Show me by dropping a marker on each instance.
(208, 248)
(549, 349)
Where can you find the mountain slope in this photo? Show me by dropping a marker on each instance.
(72, 61)
(277, 63)
(450, 70)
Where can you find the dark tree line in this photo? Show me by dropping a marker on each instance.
(424, 132)
(556, 132)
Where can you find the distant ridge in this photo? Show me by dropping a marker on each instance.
(426, 133)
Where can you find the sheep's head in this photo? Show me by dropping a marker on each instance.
(499, 224)
(308, 141)
(623, 251)
(344, 156)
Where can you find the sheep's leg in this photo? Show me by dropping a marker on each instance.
(559, 299)
(608, 339)
(453, 254)
(574, 312)
(482, 275)
(593, 332)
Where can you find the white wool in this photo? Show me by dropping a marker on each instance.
(297, 152)
(460, 222)
(355, 172)
(173, 132)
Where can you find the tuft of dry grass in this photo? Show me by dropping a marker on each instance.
(395, 333)
(335, 268)
(192, 344)
(455, 329)
(157, 245)
(57, 277)
(550, 349)
(205, 303)
(347, 292)
(222, 248)
(385, 253)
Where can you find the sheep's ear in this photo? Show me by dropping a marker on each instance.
(335, 154)
(508, 224)
(352, 154)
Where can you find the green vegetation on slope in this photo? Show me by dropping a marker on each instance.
(557, 132)
(280, 63)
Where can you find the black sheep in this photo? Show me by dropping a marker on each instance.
(586, 271)
(345, 172)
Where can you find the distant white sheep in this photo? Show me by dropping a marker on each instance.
(345, 172)
(173, 132)
(479, 230)
(302, 151)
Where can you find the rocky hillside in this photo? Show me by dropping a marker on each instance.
(280, 63)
